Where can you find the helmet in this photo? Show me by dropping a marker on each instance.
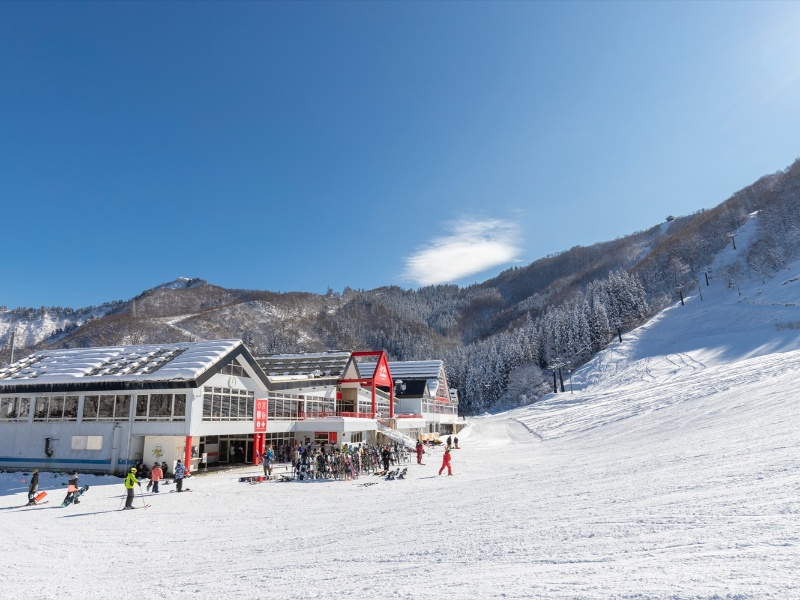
(155, 464)
(133, 469)
(179, 460)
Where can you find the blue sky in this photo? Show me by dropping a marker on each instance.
(297, 146)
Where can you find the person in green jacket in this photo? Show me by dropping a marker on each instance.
(130, 481)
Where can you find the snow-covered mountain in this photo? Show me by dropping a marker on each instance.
(668, 471)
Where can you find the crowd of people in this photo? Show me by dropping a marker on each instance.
(308, 462)
(324, 461)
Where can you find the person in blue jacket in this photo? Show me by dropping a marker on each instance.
(180, 473)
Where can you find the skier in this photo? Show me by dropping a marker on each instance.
(446, 462)
(34, 485)
(268, 457)
(386, 455)
(180, 473)
(455, 441)
(156, 474)
(420, 451)
(72, 488)
(130, 481)
(449, 441)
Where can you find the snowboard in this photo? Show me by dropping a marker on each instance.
(75, 496)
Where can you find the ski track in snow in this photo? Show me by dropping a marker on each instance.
(671, 472)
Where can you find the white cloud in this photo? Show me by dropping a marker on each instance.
(472, 247)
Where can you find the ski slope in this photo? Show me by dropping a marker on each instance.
(671, 472)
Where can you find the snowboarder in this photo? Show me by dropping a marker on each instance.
(420, 451)
(180, 473)
(72, 488)
(156, 475)
(446, 462)
(34, 485)
(130, 482)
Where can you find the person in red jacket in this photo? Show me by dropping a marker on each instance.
(446, 462)
(420, 451)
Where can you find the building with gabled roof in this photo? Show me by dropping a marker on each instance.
(425, 404)
(102, 409)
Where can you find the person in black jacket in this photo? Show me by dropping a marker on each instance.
(386, 455)
(34, 485)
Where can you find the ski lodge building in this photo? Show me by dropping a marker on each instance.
(103, 409)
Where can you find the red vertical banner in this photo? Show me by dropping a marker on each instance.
(260, 417)
(332, 437)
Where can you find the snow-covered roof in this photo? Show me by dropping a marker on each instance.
(303, 366)
(407, 369)
(184, 361)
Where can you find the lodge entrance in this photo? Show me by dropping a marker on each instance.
(236, 449)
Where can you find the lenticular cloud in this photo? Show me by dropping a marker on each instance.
(473, 246)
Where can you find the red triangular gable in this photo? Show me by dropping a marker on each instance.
(382, 376)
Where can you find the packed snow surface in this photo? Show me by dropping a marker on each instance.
(670, 472)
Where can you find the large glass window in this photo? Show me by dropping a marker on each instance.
(179, 408)
(106, 406)
(160, 406)
(23, 409)
(56, 408)
(227, 404)
(141, 408)
(122, 411)
(90, 407)
(40, 409)
(8, 409)
(70, 408)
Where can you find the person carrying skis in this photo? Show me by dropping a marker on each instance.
(446, 462)
(72, 488)
(180, 473)
(130, 482)
(156, 475)
(420, 451)
(32, 487)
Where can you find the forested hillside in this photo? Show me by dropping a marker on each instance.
(503, 340)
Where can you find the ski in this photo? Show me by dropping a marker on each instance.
(254, 478)
(32, 505)
(177, 492)
(135, 507)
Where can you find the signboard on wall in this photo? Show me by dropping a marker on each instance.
(260, 422)
(332, 437)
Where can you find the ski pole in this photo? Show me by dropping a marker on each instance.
(141, 493)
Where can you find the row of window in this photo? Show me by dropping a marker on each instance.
(101, 407)
(441, 408)
(223, 404)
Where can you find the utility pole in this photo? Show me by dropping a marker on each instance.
(13, 335)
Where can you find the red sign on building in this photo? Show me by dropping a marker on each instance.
(261, 416)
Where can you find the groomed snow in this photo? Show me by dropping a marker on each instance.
(671, 472)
